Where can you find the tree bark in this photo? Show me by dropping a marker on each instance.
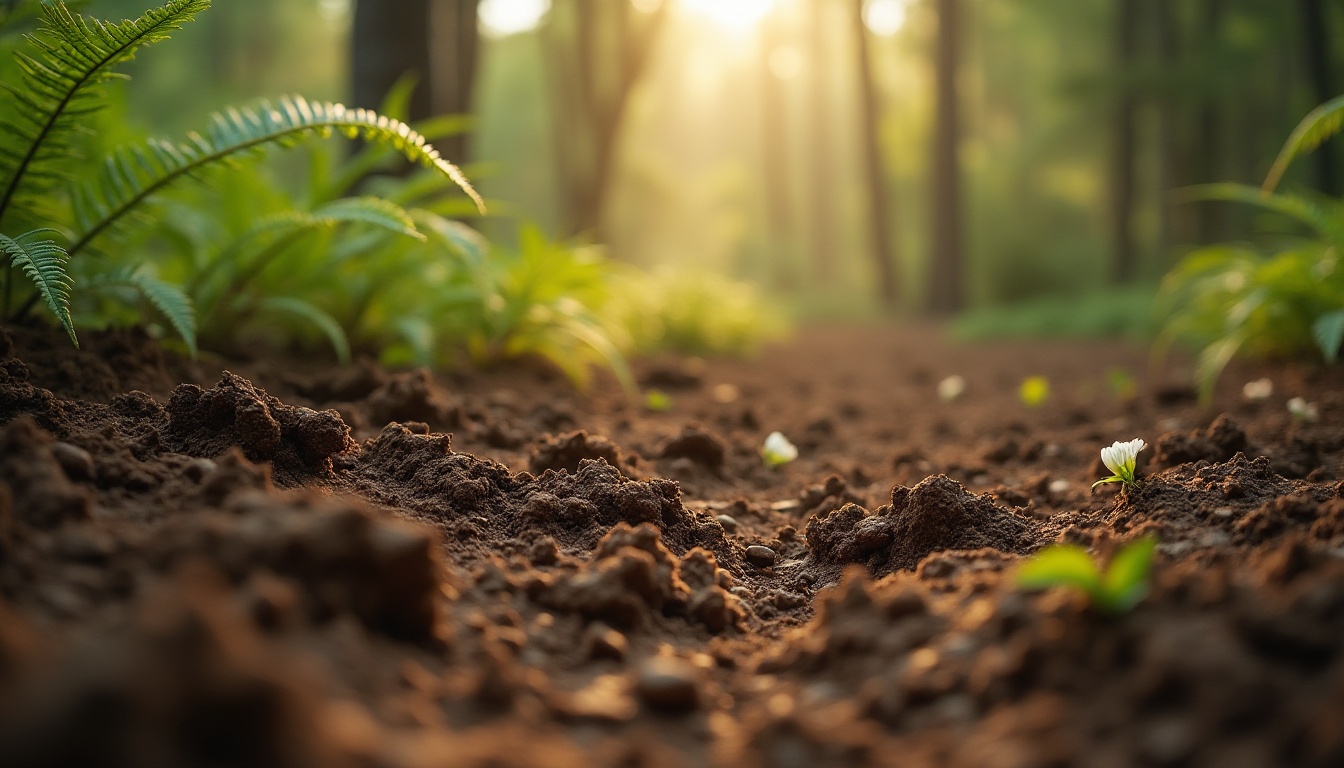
(1320, 69)
(775, 159)
(435, 40)
(945, 288)
(822, 178)
(1171, 171)
(390, 38)
(454, 54)
(592, 107)
(882, 208)
(1207, 149)
(1124, 255)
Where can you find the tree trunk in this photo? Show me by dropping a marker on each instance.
(882, 208)
(390, 39)
(822, 178)
(1124, 264)
(945, 287)
(454, 55)
(593, 103)
(1171, 172)
(1207, 149)
(775, 160)
(1320, 69)
(435, 40)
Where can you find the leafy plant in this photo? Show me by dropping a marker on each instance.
(72, 57)
(542, 299)
(1233, 301)
(1121, 459)
(692, 311)
(1117, 589)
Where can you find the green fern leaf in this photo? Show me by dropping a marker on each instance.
(320, 319)
(132, 174)
(43, 261)
(60, 85)
(1324, 215)
(1318, 126)
(171, 301)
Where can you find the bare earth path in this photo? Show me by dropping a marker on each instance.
(296, 566)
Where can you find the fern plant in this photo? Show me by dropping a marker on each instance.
(70, 58)
(1235, 301)
(61, 82)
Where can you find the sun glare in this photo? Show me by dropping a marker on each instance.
(509, 17)
(735, 15)
(885, 17)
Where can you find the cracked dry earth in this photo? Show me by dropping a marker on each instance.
(262, 563)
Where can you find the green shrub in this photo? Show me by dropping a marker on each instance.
(64, 66)
(691, 311)
(1233, 300)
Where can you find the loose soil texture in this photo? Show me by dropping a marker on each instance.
(273, 563)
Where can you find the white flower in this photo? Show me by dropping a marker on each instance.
(1258, 390)
(778, 450)
(1120, 458)
(951, 388)
(1302, 410)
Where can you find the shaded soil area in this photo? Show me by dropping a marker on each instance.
(262, 563)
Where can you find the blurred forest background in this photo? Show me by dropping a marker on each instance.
(851, 156)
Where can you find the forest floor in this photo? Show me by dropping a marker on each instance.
(203, 568)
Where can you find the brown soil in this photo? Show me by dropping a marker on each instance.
(286, 565)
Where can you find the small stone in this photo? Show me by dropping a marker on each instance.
(196, 470)
(728, 522)
(761, 557)
(606, 643)
(668, 684)
(77, 462)
(1059, 487)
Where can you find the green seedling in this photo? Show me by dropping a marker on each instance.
(1117, 590)
(777, 450)
(1302, 410)
(1122, 384)
(657, 401)
(1035, 390)
(1121, 459)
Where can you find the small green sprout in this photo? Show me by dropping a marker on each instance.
(1120, 458)
(658, 401)
(1035, 390)
(1302, 410)
(951, 388)
(1116, 591)
(1122, 384)
(777, 450)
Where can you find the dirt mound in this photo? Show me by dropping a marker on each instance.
(299, 442)
(937, 514)
(1205, 505)
(559, 452)
(35, 477)
(480, 501)
(1220, 441)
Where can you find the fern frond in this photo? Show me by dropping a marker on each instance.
(60, 85)
(1324, 215)
(171, 301)
(317, 317)
(1318, 126)
(132, 174)
(43, 261)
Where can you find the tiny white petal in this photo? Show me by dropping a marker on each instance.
(778, 449)
(951, 388)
